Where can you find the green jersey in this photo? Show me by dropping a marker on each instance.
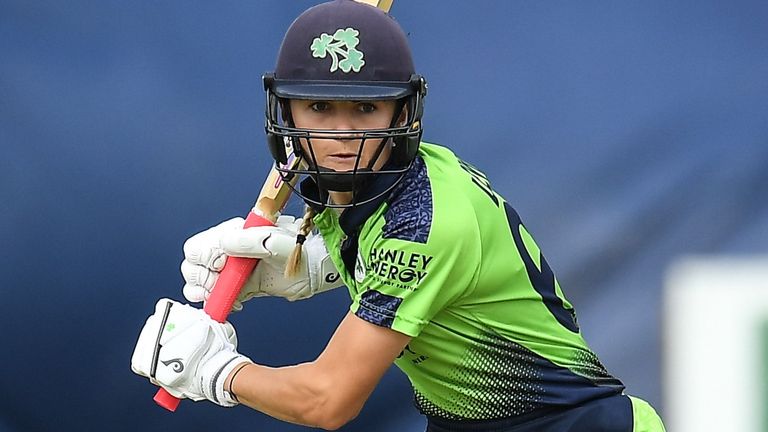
(446, 260)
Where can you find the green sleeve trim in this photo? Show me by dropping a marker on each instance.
(407, 326)
(645, 417)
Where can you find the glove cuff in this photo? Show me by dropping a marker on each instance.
(323, 275)
(216, 371)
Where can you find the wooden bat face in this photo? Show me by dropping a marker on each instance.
(384, 5)
(277, 189)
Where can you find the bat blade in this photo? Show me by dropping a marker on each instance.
(384, 5)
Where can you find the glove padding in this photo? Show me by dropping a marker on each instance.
(205, 254)
(187, 353)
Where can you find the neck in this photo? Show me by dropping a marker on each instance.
(340, 197)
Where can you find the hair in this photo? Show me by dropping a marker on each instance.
(292, 266)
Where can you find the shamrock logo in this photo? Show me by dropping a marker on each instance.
(342, 45)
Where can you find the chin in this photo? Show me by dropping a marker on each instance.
(342, 169)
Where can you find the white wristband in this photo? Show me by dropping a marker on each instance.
(217, 370)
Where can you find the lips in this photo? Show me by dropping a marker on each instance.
(343, 156)
(341, 161)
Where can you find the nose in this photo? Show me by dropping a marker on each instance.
(343, 122)
(345, 129)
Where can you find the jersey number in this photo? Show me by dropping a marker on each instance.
(543, 280)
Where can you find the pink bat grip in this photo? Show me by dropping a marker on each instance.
(231, 280)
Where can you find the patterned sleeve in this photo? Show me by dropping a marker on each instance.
(411, 267)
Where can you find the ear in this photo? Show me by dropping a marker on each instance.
(285, 112)
(403, 118)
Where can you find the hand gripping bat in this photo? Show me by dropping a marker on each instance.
(273, 197)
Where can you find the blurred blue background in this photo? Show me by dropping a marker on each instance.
(625, 134)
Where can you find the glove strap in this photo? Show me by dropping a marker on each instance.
(232, 381)
(213, 387)
(156, 351)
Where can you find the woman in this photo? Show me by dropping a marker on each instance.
(445, 280)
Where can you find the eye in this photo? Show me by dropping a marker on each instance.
(320, 106)
(366, 107)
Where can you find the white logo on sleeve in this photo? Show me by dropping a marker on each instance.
(359, 268)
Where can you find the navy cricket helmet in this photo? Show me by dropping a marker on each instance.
(344, 51)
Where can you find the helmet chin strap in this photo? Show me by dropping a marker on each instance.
(332, 180)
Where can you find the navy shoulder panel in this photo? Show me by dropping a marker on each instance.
(409, 216)
(378, 308)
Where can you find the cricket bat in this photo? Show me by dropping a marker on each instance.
(384, 5)
(273, 197)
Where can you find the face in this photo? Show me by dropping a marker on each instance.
(340, 153)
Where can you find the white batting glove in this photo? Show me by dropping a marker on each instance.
(186, 352)
(205, 254)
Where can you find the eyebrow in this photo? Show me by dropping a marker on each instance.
(336, 100)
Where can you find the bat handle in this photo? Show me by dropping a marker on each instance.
(231, 280)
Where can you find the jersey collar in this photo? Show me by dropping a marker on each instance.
(354, 217)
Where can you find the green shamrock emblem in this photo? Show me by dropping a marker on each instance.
(342, 45)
